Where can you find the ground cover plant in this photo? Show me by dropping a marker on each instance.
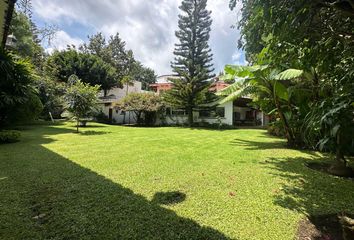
(113, 182)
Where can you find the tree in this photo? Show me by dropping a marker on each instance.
(51, 95)
(16, 87)
(192, 59)
(27, 43)
(112, 51)
(88, 67)
(81, 99)
(143, 105)
(264, 81)
(144, 75)
(317, 37)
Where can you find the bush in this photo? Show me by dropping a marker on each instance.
(102, 118)
(27, 112)
(9, 136)
(276, 129)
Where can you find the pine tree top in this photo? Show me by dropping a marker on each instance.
(192, 53)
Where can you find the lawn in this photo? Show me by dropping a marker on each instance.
(113, 182)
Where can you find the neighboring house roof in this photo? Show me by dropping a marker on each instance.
(6, 10)
(164, 84)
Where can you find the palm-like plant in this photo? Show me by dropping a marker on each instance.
(262, 80)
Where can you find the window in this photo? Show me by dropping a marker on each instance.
(237, 115)
(213, 113)
(220, 111)
(205, 113)
(178, 112)
(168, 111)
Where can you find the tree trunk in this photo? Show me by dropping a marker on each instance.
(190, 116)
(77, 125)
(288, 133)
(340, 167)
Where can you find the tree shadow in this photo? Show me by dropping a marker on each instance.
(255, 145)
(89, 133)
(47, 196)
(319, 196)
(169, 198)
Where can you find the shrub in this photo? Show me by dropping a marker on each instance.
(276, 129)
(16, 86)
(9, 136)
(27, 112)
(102, 118)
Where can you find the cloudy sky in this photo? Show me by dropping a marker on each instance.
(147, 26)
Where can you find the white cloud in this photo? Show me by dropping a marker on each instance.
(147, 26)
(62, 40)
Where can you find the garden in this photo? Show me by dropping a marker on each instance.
(68, 171)
(113, 182)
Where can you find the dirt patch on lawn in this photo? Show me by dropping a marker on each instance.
(325, 227)
(324, 167)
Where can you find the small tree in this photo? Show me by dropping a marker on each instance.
(81, 99)
(142, 104)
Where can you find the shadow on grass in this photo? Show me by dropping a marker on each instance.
(169, 198)
(255, 145)
(47, 196)
(89, 133)
(321, 197)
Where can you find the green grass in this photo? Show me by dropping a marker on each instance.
(112, 182)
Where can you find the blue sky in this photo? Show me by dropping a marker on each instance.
(147, 27)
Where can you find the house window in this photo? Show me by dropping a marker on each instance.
(220, 111)
(237, 115)
(205, 113)
(212, 113)
(168, 111)
(178, 112)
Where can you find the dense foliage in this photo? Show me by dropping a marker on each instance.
(273, 86)
(89, 68)
(115, 53)
(81, 99)
(17, 92)
(193, 58)
(51, 95)
(316, 37)
(144, 105)
(9, 136)
(27, 43)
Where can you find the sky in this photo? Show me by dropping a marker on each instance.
(147, 26)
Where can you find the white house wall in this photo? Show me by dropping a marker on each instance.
(183, 119)
(120, 93)
(227, 119)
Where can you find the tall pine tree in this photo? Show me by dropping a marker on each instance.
(193, 58)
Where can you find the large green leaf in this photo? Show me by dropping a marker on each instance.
(281, 91)
(289, 74)
(238, 71)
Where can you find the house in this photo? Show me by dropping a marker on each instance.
(162, 84)
(232, 113)
(107, 103)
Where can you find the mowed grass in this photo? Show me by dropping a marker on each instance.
(113, 182)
